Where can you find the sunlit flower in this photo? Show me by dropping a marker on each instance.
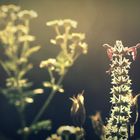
(27, 14)
(83, 47)
(54, 137)
(69, 23)
(38, 91)
(69, 130)
(54, 23)
(77, 37)
(59, 40)
(53, 86)
(29, 100)
(2, 15)
(26, 38)
(11, 8)
(78, 112)
(50, 63)
(22, 28)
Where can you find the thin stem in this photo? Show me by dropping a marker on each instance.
(52, 79)
(66, 137)
(23, 122)
(48, 100)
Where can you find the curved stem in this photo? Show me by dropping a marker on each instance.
(48, 100)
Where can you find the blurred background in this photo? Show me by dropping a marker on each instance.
(102, 22)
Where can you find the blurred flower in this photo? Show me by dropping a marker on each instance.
(29, 100)
(69, 23)
(77, 37)
(83, 47)
(59, 40)
(22, 28)
(78, 112)
(66, 23)
(27, 14)
(62, 130)
(50, 63)
(2, 15)
(38, 91)
(10, 8)
(54, 137)
(54, 23)
(25, 38)
(53, 86)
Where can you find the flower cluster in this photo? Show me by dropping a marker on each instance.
(15, 40)
(69, 129)
(66, 132)
(71, 46)
(117, 124)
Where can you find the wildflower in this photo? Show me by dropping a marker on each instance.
(27, 14)
(59, 40)
(121, 91)
(2, 15)
(77, 37)
(54, 23)
(83, 47)
(69, 129)
(50, 63)
(25, 38)
(29, 100)
(11, 8)
(122, 50)
(78, 112)
(53, 86)
(69, 23)
(54, 137)
(38, 91)
(22, 28)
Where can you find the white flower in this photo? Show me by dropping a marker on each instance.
(27, 14)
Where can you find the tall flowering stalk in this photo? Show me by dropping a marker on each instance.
(122, 100)
(71, 46)
(16, 43)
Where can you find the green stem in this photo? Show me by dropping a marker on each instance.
(48, 100)
(23, 122)
(66, 137)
